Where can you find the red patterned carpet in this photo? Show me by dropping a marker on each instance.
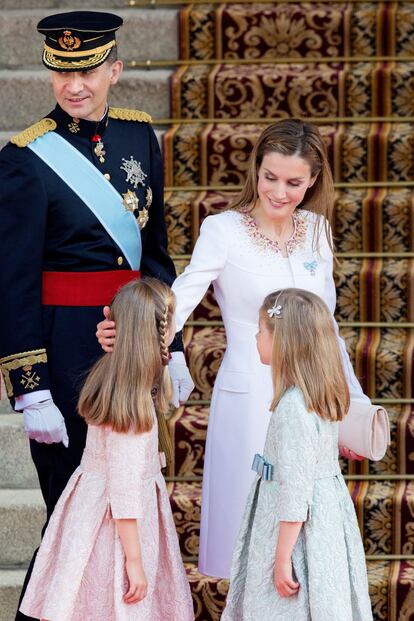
(349, 66)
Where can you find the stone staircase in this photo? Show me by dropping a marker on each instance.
(25, 97)
(332, 72)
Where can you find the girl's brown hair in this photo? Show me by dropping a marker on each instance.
(124, 386)
(294, 137)
(305, 351)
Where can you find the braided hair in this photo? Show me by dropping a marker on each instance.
(163, 326)
(126, 388)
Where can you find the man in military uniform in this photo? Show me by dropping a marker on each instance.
(81, 213)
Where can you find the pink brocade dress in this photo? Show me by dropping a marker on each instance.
(79, 573)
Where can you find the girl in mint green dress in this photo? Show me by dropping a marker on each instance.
(299, 554)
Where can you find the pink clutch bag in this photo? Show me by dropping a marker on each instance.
(365, 430)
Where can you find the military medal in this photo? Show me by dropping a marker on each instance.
(74, 126)
(135, 174)
(149, 198)
(99, 148)
(131, 201)
(142, 218)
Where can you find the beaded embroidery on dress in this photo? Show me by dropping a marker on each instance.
(265, 243)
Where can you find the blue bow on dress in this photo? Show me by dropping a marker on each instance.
(262, 467)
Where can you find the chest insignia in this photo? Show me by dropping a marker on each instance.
(135, 174)
(142, 218)
(99, 148)
(130, 201)
(74, 126)
(311, 267)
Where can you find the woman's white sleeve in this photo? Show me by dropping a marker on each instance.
(355, 389)
(207, 261)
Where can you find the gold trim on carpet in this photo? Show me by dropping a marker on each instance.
(269, 60)
(348, 184)
(326, 120)
(152, 3)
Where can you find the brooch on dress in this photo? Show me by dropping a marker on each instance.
(311, 267)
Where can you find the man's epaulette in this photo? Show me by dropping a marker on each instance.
(125, 114)
(34, 131)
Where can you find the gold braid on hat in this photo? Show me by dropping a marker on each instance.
(162, 330)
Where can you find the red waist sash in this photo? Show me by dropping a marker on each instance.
(84, 288)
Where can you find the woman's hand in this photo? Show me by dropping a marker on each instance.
(106, 332)
(137, 581)
(348, 454)
(283, 579)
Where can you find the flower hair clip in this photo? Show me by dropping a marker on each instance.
(275, 311)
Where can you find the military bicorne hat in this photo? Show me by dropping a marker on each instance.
(79, 40)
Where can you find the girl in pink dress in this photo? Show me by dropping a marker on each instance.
(110, 551)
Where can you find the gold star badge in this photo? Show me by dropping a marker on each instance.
(130, 201)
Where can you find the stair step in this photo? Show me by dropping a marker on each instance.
(282, 30)
(283, 90)
(144, 90)
(22, 516)
(17, 469)
(188, 429)
(139, 26)
(217, 154)
(11, 582)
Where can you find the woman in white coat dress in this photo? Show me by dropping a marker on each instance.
(276, 235)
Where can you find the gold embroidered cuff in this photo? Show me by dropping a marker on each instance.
(23, 363)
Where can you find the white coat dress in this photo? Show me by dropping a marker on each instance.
(244, 266)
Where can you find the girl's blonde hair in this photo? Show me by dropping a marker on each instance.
(305, 351)
(293, 137)
(124, 386)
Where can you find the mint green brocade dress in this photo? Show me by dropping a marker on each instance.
(328, 558)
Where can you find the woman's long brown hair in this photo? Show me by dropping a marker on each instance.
(123, 386)
(294, 137)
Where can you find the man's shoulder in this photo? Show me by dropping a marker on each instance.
(33, 132)
(128, 114)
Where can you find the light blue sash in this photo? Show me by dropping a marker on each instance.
(95, 191)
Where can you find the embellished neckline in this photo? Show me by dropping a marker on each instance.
(266, 243)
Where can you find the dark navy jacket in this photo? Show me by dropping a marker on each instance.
(45, 226)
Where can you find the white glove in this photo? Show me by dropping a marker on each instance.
(182, 382)
(44, 422)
